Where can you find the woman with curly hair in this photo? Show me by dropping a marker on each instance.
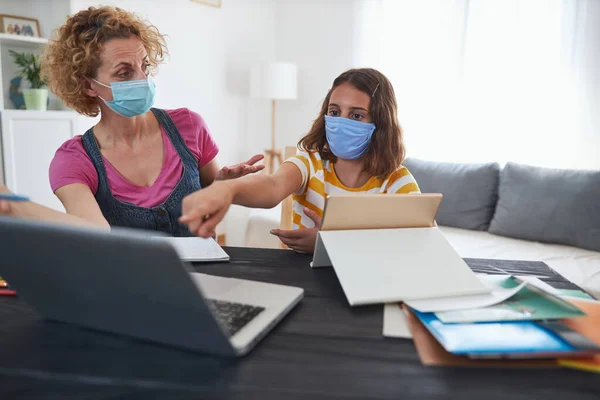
(134, 167)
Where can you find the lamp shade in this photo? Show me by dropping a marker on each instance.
(275, 80)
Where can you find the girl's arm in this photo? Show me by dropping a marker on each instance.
(266, 191)
(204, 209)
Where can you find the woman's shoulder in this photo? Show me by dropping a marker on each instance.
(72, 164)
(72, 148)
(178, 112)
(184, 118)
(195, 133)
(72, 152)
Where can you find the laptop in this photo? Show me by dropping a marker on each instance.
(128, 283)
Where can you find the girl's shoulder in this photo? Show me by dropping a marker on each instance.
(312, 158)
(401, 181)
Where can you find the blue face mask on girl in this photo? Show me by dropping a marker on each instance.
(131, 98)
(348, 139)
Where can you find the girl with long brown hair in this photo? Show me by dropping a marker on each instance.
(354, 146)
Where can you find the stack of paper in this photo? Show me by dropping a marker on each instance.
(521, 319)
(518, 339)
(588, 326)
(523, 301)
(510, 298)
(394, 322)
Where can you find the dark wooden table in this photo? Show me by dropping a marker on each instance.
(323, 349)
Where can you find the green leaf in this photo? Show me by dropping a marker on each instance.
(30, 67)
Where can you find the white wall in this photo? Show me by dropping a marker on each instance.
(587, 58)
(211, 53)
(324, 38)
(318, 36)
(212, 50)
(49, 13)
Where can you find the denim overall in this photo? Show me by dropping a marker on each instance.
(162, 217)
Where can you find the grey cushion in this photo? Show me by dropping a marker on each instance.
(470, 190)
(549, 205)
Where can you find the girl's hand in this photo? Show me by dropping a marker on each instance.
(201, 211)
(301, 240)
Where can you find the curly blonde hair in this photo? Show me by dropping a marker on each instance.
(74, 53)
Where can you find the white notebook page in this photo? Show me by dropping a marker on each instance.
(197, 249)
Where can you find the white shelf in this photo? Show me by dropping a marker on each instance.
(22, 41)
(37, 114)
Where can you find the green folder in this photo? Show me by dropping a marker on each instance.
(576, 293)
(529, 304)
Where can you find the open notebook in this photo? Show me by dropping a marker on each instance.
(197, 249)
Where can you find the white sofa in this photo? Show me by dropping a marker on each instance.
(577, 265)
(260, 222)
(517, 201)
(580, 266)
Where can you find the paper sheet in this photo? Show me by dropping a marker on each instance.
(394, 322)
(497, 295)
(197, 249)
(429, 265)
(540, 284)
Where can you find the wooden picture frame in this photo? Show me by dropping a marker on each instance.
(19, 26)
(212, 3)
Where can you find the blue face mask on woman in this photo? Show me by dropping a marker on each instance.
(131, 98)
(348, 139)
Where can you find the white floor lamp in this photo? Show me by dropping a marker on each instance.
(275, 81)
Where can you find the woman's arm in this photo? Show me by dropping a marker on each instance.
(79, 201)
(208, 173)
(204, 209)
(82, 208)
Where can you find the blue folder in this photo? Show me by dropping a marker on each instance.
(519, 339)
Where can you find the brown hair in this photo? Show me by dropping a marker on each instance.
(386, 150)
(74, 54)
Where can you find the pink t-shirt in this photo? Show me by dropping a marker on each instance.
(71, 163)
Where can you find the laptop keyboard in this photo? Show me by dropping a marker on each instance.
(233, 316)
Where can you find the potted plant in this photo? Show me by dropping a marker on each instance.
(36, 98)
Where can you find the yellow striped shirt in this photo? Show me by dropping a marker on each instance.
(319, 180)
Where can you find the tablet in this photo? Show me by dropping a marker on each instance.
(380, 211)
